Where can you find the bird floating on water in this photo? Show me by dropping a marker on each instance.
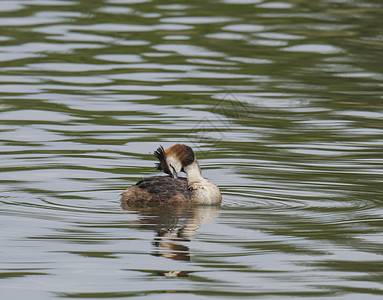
(173, 189)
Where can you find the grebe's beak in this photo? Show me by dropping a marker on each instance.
(174, 173)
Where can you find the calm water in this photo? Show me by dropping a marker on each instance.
(282, 102)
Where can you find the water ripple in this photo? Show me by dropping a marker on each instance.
(281, 102)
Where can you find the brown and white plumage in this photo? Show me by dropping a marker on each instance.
(171, 189)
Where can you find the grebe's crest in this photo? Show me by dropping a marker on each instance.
(183, 153)
(176, 157)
(161, 165)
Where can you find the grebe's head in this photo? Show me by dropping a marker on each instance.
(174, 159)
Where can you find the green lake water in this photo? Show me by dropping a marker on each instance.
(282, 102)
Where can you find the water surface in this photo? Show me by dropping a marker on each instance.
(282, 103)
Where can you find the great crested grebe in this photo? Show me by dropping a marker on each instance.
(172, 189)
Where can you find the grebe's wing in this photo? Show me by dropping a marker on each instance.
(163, 189)
(163, 184)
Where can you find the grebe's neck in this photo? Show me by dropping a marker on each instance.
(203, 190)
(193, 171)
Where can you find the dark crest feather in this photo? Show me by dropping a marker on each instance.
(161, 165)
(189, 157)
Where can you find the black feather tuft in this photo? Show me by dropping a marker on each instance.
(161, 165)
(189, 157)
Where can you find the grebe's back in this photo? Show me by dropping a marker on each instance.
(160, 189)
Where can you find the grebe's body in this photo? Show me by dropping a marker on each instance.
(158, 189)
(171, 189)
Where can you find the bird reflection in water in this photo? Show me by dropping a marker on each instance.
(174, 226)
